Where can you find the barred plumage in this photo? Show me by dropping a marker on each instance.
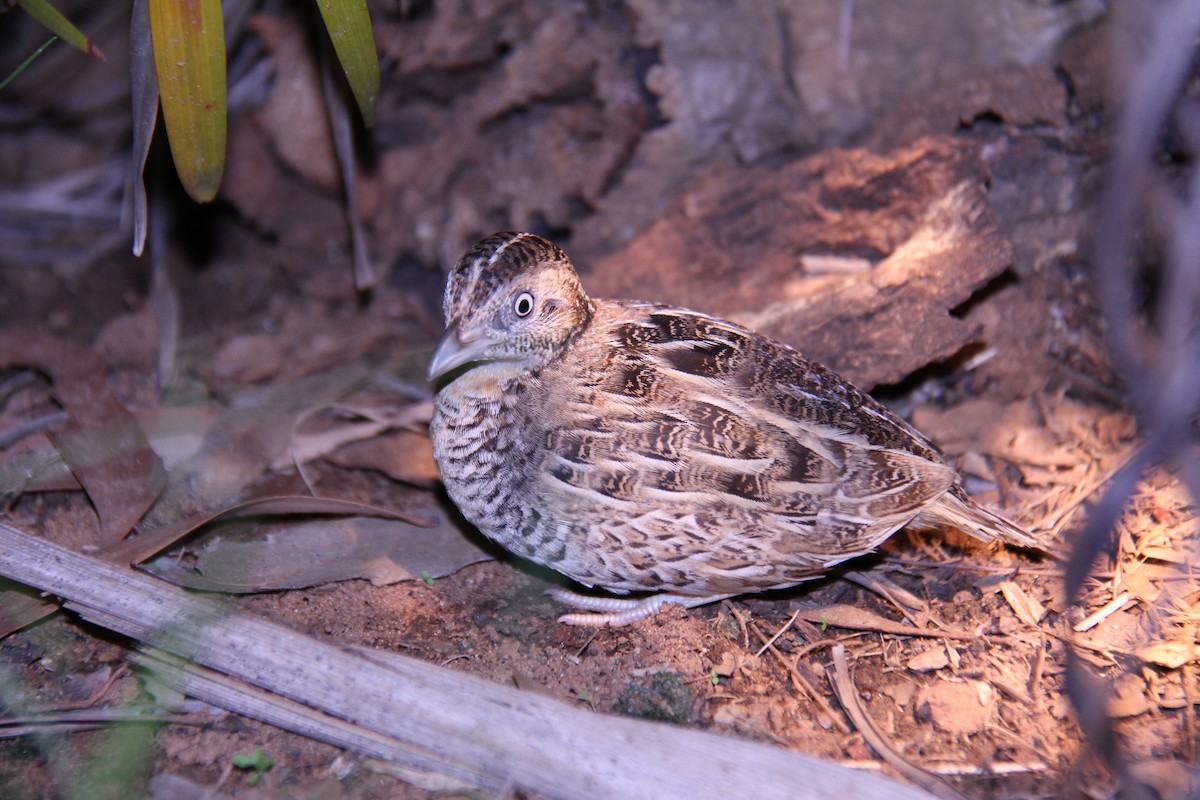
(642, 448)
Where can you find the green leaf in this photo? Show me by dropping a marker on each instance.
(189, 57)
(258, 760)
(349, 27)
(59, 25)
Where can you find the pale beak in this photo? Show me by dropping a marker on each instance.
(454, 350)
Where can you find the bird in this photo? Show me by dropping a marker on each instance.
(660, 452)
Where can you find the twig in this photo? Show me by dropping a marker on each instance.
(912, 607)
(94, 718)
(740, 616)
(848, 695)
(1101, 614)
(94, 698)
(802, 682)
(991, 769)
(844, 616)
(1039, 666)
(46, 422)
(778, 633)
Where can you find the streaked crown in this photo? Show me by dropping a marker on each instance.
(496, 261)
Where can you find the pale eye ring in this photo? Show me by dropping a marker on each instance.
(523, 305)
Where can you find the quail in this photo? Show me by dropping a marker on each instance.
(641, 448)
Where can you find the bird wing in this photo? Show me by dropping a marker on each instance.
(678, 411)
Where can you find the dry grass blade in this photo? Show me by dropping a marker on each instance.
(189, 58)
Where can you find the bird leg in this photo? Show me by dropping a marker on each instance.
(613, 612)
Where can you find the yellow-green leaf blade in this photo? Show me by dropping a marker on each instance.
(189, 58)
(59, 25)
(349, 27)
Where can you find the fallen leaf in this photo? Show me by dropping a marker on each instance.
(250, 358)
(932, 659)
(253, 432)
(257, 548)
(728, 664)
(103, 443)
(401, 455)
(1172, 655)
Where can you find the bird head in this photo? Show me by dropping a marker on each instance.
(514, 297)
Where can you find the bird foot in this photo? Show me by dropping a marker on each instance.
(613, 612)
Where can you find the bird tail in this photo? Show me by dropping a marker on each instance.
(955, 509)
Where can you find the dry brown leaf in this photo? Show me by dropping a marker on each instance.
(729, 664)
(292, 116)
(35, 465)
(932, 659)
(401, 455)
(253, 432)
(177, 433)
(310, 444)
(1172, 655)
(103, 443)
(252, 549)
(250, 358)
(328, 434)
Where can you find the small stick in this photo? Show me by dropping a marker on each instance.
(803, 683)
(848, 696)
(778, 633)
(1103, 613)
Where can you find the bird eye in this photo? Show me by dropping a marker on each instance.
(524, 304)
